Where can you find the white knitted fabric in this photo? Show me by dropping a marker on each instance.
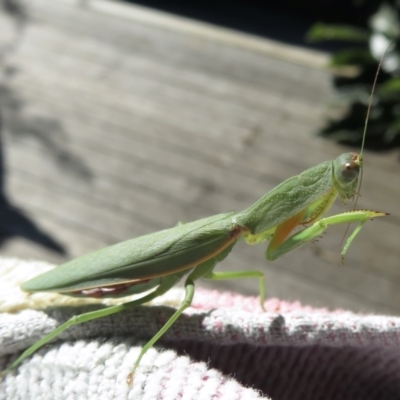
(223, 347)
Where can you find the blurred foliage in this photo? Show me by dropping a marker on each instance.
(367, 46)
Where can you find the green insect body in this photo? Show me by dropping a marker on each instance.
(187, 245)
(159, 260)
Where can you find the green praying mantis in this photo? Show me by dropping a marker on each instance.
(156, 262)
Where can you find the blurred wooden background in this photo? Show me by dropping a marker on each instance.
(117, 121)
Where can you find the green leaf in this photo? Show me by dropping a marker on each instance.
(390, 86)
(321, 31)
(352, 56)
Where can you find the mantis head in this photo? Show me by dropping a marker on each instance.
(346, 170)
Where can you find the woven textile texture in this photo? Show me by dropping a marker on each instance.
(223, 347)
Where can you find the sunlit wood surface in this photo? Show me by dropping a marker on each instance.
(119, 121)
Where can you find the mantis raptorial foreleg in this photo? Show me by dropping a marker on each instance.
(311, 233)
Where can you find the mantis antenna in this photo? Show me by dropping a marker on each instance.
(371, 97)
(367, 118)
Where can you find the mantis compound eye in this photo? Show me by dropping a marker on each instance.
(350, 171)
